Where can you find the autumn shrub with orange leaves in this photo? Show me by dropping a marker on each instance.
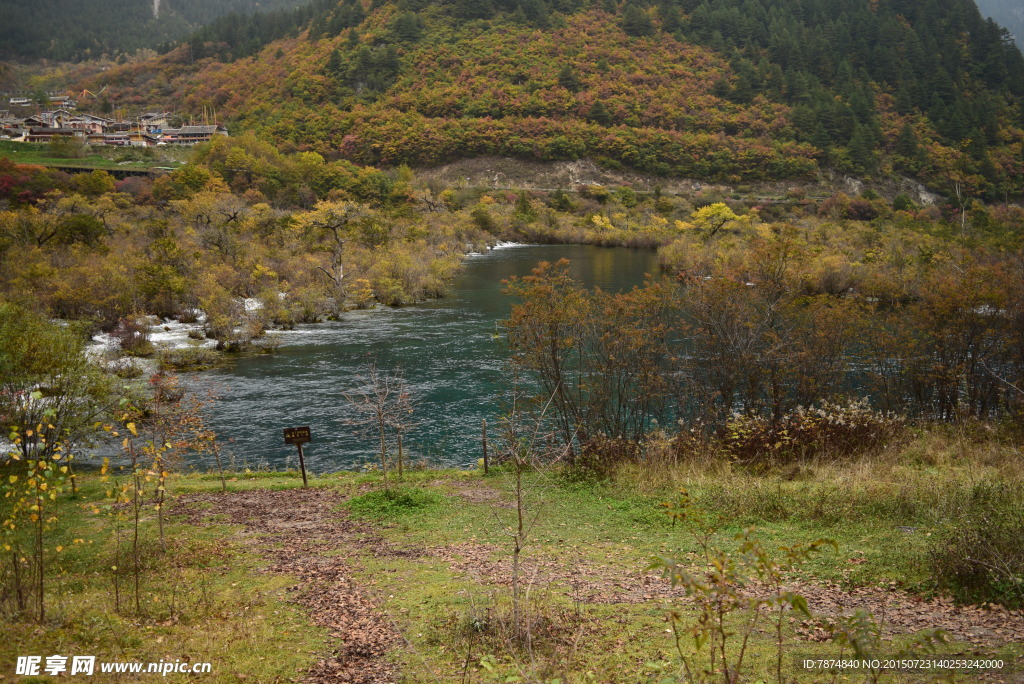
(771, 333)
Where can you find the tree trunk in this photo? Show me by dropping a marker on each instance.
(383, 450)
(399, 454)
(220, 467)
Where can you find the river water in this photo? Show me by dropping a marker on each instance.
(451, 352)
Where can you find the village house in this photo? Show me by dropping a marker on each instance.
(145, 130)
(46, 134)
(154, 122)
(89, 124)
(63, 101)
(123, 139)
(191, 135)
(55, 118)
(14, 133)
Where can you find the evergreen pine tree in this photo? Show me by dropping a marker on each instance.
(906, 143)
(407, 27)
(820, 138)
(536, 12)
(599, 114)
(467, 10)
(567, 79)
(356, 15)
(671, 19)
(636, 22)
(334, 64)
(862, 148)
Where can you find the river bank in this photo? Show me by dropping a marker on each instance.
(451, 351)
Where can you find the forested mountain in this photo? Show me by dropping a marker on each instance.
(1008, 13)
(728, 89)
(81, 29)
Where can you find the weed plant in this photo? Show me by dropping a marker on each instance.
(978, 556)
(394, 502)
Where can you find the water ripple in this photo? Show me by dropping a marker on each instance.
(446, 349)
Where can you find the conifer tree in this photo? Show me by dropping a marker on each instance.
(599, 114)
(636, 22)
(567, 79)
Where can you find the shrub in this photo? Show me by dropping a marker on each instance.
(598, 193)
(125, 368)
(716, 587)
(903, 203)
(483, 219)
(190, 358)
(979, 558)
(132, 335)
(600, 456)
(831, 431)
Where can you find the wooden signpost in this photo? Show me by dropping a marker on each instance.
(299, 436)
(485, 445)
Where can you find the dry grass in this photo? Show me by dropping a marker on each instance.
(922, 480)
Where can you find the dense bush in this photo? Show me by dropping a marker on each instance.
(132, 336)
(829, 431)
(599, 457)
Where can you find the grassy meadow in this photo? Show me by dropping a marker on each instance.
(434, 553)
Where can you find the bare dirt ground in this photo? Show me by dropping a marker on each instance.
(504, 173)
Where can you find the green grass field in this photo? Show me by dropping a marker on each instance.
(92, 157)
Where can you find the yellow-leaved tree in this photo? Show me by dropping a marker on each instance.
(51, 398)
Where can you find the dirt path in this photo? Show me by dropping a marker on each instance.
(897, 611)
(300, 531)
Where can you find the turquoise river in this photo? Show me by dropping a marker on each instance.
(451, 352)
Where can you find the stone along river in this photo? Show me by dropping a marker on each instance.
(451, 351)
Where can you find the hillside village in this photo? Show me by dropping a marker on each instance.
(148, 129)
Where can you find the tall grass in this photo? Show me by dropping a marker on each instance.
(962, 486)
(924, 479)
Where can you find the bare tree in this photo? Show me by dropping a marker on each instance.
(523, 451)
(401, 416)
(337, 220)
(381, 402)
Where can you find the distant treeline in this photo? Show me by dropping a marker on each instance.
(1008, 13)
(69, 30)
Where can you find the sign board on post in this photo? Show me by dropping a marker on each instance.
(299, 436)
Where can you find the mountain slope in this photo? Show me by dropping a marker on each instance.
(735, 89)
(1008, 13)
(80, 29)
